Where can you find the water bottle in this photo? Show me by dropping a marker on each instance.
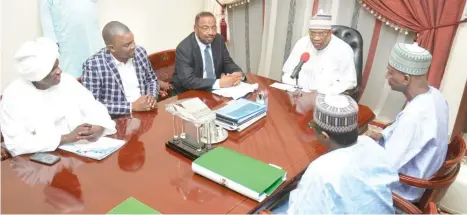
(262, 98)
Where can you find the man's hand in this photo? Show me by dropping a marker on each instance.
(163, 93)
(237, 74)
(374, 135)
(152, 102)
(74, 135)
(165, 86)
(92, 133)
(229, 80)
(144, 103)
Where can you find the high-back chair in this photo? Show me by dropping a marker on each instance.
(354, 39)
(163, 64)
(437, 186)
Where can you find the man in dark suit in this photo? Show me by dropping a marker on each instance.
(202, 61)
(120, 75)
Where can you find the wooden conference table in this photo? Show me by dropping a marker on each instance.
(146, 170)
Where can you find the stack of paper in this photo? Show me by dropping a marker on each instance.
(241, 173)
(96, 150)
(287, 87)
(239, 114)
(236, 92)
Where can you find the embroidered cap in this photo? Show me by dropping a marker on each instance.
(336, 113)
(35, 59)
(410, 59)
(321, 22)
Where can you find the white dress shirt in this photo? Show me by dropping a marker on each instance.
(129, 79)
(202, 47)
(330, 70)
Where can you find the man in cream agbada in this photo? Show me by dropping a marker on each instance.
(331, 68)
(45, 108)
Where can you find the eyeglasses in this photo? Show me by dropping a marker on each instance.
(207, 28)
(318, 34)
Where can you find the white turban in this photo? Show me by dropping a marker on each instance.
(35, 59)
(410, 59)
(321, 22)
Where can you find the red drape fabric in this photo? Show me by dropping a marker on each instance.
(222, 22)
(434, 21)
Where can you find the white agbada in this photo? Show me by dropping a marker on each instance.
(34, 120)
(348, 180)
(330, 70)
(418, 140)
(345, 181)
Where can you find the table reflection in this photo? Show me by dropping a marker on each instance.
(62, 190)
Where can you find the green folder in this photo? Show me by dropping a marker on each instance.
(246, 175)
(132, 206)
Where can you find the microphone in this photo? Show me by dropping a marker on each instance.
(303, 59)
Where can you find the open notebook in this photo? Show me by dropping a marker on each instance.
(96, 150)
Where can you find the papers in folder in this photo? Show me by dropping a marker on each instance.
(286, 87)
(239, 114)
(243, 174)
(96, 150)
(236, 92)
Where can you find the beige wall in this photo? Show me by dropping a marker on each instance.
(20, 22)
(157, 25)
(455, 75)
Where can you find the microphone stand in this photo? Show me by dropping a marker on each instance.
(297, 89)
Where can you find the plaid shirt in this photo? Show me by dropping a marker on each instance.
(101, 77)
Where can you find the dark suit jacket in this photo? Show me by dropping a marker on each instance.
(189, 64)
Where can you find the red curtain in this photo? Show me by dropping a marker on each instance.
(434, 21)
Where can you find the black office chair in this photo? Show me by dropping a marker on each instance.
(354, 39)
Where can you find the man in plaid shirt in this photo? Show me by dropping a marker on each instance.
(120, 75)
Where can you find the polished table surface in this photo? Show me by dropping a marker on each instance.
(146, 170)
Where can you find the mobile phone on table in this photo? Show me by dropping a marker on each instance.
(45, 158)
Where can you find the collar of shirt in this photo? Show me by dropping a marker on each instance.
(201, 45)
(119, 63)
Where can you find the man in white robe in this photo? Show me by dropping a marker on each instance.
(331, 67)
(417, 141)
(45, 108)
(354, 177)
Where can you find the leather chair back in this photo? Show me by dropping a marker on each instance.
(354, 39)
(163, 64)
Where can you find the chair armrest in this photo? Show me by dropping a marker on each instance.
(265, 212)
(405, 205)
(432, 209)
(432, 183)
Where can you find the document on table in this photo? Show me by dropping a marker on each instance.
(287, 87)
(236, 92)
(98, 150)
